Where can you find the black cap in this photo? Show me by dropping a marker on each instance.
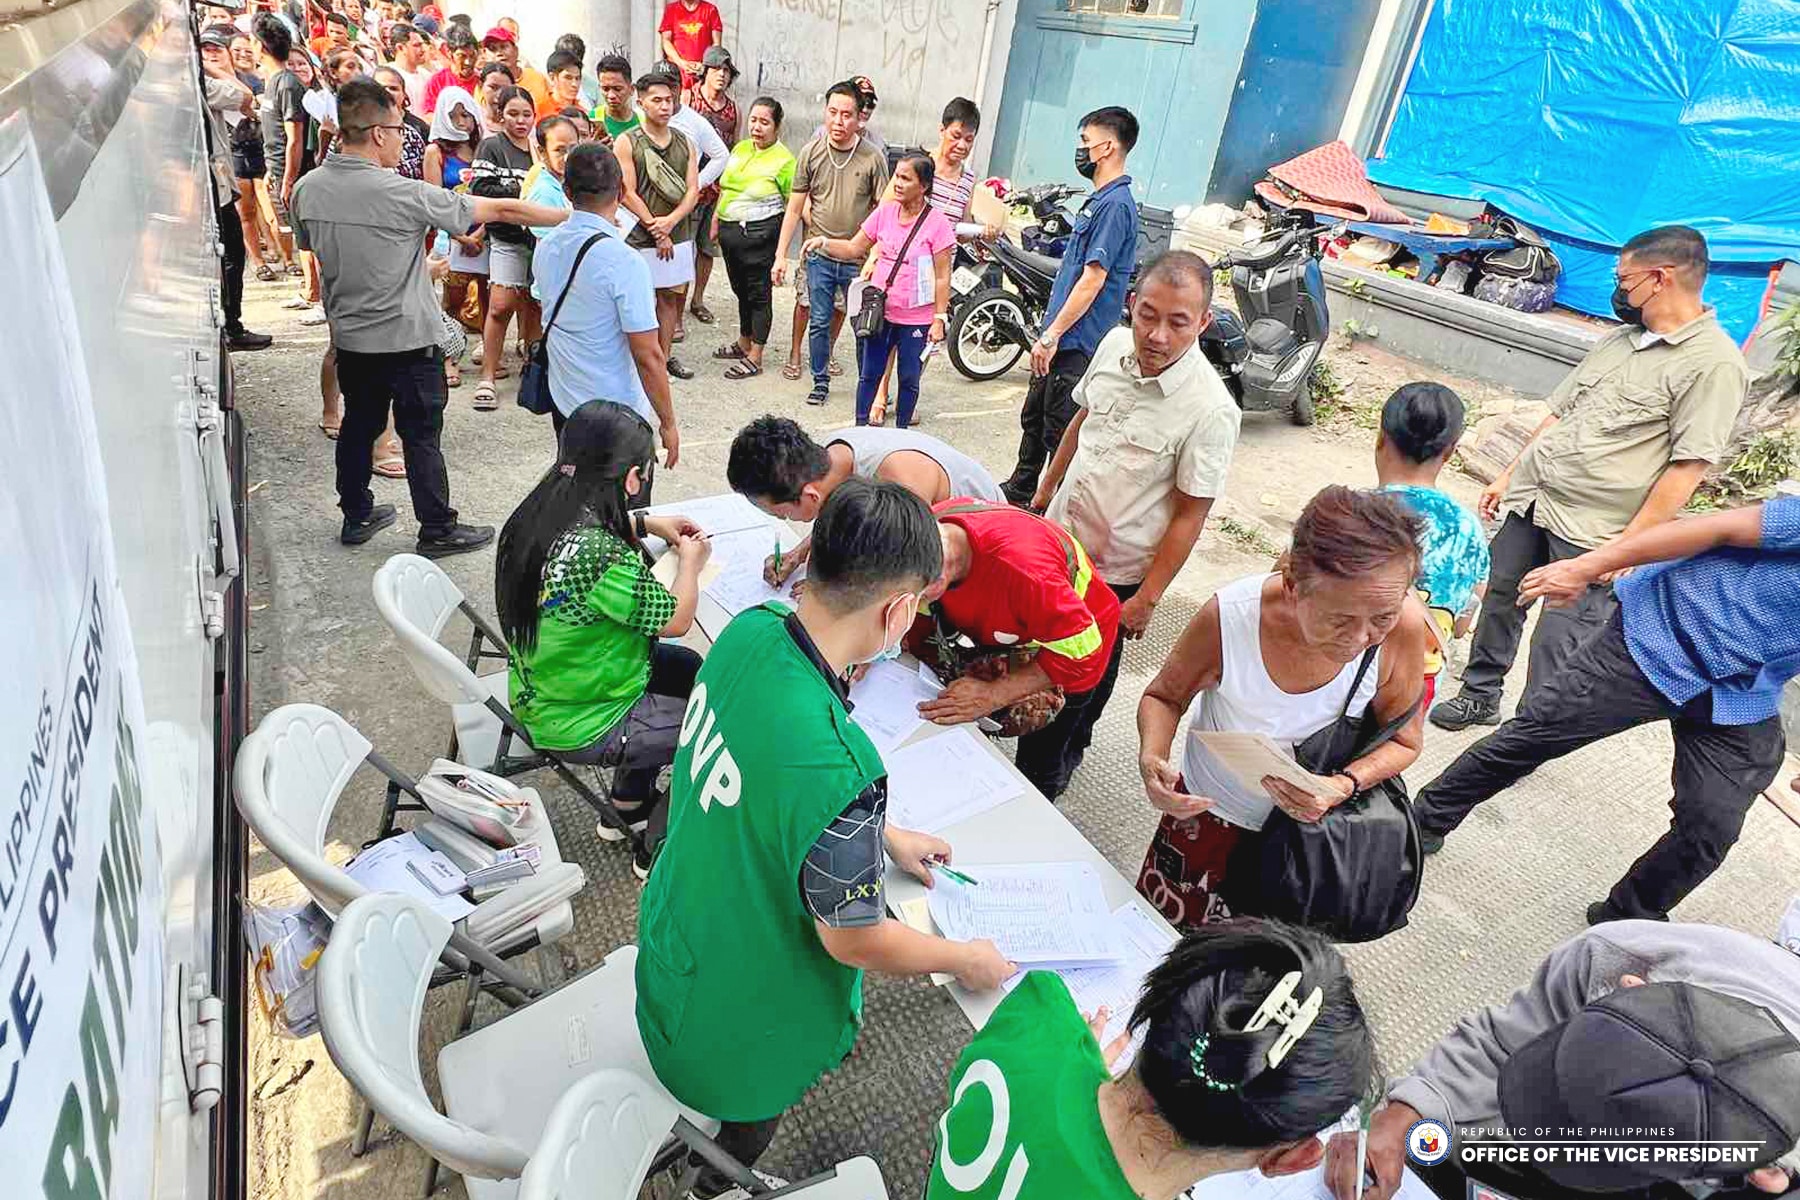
(1664, 1056)
(718, 56)
(219, 35)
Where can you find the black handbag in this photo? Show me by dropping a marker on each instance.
(534, 376)
(1354, 874)
(871, 319)
(1530, 259)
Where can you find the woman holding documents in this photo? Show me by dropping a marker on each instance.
(1333, 635)
(582, 613)
(766, 904)
(1253, 1042)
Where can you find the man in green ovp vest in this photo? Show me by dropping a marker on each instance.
(764, 906)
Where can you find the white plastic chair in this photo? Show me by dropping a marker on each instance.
(608, 1131)
(499, 1083)
(417, 599)
(291, 770)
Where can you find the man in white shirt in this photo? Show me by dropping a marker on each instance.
(1139, 467)
(410, 60)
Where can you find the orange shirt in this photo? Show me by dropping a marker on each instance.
(533, 81)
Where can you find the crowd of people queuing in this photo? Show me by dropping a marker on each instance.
(425, 187)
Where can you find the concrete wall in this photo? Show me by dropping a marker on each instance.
(920, 53)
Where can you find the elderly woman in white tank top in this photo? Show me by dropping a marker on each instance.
(1279, 654)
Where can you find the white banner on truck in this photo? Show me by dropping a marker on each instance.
(81, 906)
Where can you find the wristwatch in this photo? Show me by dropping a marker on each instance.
(637, 520)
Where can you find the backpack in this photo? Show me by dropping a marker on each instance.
(1531, 259)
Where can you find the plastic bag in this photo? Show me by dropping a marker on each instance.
(285, 945)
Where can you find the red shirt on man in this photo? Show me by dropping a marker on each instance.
(1030, 584)
(446, 77)
(691, 28)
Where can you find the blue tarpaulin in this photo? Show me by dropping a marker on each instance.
(1593, 120)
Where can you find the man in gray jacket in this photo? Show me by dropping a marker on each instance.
(1689, 1029)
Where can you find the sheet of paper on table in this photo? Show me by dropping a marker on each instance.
(739, 587)
(1038, 914)
(886, 702)
(1251, 756)
(1143, 943)
(1305, 1185)
(668, 564)
(727, 513)
(944, 780)
(383, 868)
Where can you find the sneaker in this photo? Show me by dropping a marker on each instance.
(355, 533)
(460, 540)
(738, 1193)
(1460, 712)
(244, 340)
(297, 301)
(819, 395)
(607, 833)
(1600, 912)
(640, 865)
(315, 317)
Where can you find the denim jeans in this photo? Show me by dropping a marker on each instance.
(825, 277)
(910, 341)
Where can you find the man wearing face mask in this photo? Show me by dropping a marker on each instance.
(765, 905)
(1631, 432)
(1087, 297)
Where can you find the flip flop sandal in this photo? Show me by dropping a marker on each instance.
(679, 371)
(819, 395)
(702, 314)
(791, 371)
(266, 273)
(294, 270)
(743, 369)
(330, 431)
(878, 415)
(680, 337)
(729, 352)
(502, 373)
(487, 398)
(390, 468)
(834, 368)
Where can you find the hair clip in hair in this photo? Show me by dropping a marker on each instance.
(1294, 1017)
(1197, 1058)
(567, 469)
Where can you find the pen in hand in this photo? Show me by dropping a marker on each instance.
(939, 865)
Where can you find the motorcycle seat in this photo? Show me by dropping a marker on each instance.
(1267, 335)
(1041, 264)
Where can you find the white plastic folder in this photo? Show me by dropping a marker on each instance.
(945, 780)
(1039, 914)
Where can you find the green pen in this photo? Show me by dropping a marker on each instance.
(956, 875)
(776, 570)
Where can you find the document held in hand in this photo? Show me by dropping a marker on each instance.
(1252, 756)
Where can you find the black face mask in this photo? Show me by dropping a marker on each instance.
(1624, 309)
(1084, 163)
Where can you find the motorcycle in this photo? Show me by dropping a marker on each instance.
(1265, 352)
(998, 293)
(1049, 233)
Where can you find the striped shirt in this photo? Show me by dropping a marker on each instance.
(951, 196)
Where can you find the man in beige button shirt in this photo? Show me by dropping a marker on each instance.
(1631, 431)
(1139, 467)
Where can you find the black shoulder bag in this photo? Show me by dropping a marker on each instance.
(1354, 874)
(534, 376)
(871, 318)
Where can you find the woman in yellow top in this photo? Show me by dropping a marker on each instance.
(753, 194)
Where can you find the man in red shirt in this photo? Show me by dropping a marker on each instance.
(688, 28)
(1013, 579)
(463, 51)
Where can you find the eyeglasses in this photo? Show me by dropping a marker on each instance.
(366, 128)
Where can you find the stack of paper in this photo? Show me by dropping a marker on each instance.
(944, 780)
(1252, 756)
(1038, 914)
(1142, 942)
(886, 702)
(383, 867)
(715, 515)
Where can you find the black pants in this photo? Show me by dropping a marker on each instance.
(1049, 407)
(231, 288)
(1599, 691)
(1048, 758)
(641, 744)
(413, 382)
(744, 1141)
(1519, 547)
(749, 253)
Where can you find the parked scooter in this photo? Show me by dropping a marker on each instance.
(998, 294)
(1266, 351)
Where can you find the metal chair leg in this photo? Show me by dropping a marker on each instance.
(359, 1145)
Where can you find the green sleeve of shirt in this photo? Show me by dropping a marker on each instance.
(626, 592)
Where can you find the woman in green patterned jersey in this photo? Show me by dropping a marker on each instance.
(1252, 1042)
(582, 613)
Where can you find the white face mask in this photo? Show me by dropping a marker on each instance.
(888, 653)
